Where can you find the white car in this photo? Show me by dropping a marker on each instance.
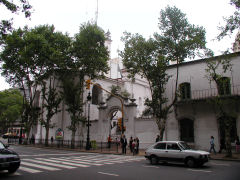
(176, 151)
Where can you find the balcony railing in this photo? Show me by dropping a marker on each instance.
(213, 92)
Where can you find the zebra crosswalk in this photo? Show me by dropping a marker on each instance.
(38, 164)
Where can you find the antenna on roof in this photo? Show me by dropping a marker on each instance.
(96, 14)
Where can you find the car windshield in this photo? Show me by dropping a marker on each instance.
(184, 145)
(2, 146)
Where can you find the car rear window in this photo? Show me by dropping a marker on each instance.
(160, 146)
(172, 146)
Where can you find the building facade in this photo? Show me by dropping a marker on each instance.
(194, 118)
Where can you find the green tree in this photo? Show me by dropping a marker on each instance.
(29, 56)
(215, 72)
(72, 94)
(10, 108)
(90, 58)
(176, 41)
(14, 7)
(118, 91)
(232, 22)
(217, 68)
(51, 101)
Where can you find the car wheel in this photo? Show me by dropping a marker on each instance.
(154, 160)
(190, 162)
(12, 170)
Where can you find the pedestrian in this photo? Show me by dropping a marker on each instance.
(134, 147)
(130, 144)
(222, 145)
(158, 138)
(109, 141)
(32, 140)
(237, 143)
(52, 140)
(124, 144)
(212, 145)
(137, 145)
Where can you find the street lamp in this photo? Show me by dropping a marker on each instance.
(88, 123)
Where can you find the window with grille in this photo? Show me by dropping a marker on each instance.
(223, 85)
(96, 95)
(185, 91)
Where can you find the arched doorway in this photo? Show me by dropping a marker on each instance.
(222, 128)
(187, 130)
(96, 94)
(114, 116)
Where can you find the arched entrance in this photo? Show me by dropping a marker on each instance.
(223, 125)
(113, 120)
(110, 112)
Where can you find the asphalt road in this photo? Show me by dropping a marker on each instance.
(44, 164)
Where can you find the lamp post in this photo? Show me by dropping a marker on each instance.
(88, 121)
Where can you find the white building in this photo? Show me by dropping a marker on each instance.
(194, 119)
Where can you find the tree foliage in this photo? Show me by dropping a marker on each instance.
(215, 72)
(232, 22)
(51, 101)
(14, 7)
(10, 108)
(176, 41)
(28, 57)
(89, 59)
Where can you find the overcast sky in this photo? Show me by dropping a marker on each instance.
(117, 16)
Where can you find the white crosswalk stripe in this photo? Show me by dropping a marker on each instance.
(61, 162)
(30, 170)
(51, 164)
(77, 161)
(38, 165)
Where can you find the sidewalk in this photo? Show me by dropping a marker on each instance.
(222, 156)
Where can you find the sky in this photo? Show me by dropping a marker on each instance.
(118, 16)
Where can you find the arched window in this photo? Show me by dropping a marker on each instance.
(223, 85)
(96, 95)
(185, 90)
(187, 130)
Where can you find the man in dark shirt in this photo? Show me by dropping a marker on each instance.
(124, 144)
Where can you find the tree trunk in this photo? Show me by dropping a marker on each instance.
(73, 139)
(161, 127)
(47, 135)
(228, 142)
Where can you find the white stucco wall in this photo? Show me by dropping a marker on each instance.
(203, 115)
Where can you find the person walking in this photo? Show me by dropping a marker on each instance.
(52, 140)
(158, 138)
(137, 145)
(212, 145)
(237, 143)
(134, 147)
(109, 141)
(130, 144)
(124, 144)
